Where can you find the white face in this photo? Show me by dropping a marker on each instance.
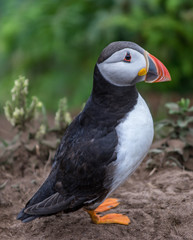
(120, 72)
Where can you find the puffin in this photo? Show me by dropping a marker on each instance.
(106, 142)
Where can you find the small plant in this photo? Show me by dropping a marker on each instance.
(175, 134)
(178, 126)
(34, 139)
(62, 117)
(18, 111)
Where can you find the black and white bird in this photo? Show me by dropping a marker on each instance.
(106, 142)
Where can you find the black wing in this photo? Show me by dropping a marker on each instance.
(82, 161)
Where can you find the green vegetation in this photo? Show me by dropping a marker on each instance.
(21, 114)
(17, 111)
(62, 117)
(56, 43)
(178, 125)
(175, 134)
(30, 120)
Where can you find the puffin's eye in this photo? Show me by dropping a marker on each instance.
(127, 57)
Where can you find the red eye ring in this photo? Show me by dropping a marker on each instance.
(127, 57)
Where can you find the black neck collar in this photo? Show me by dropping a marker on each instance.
(109, 103)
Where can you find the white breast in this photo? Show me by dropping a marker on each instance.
(135, 135)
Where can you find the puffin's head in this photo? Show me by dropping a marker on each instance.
(126, 63)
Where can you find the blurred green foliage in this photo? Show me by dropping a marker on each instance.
(56, 43)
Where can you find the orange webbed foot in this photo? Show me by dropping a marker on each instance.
(108, 204)
(108, 218)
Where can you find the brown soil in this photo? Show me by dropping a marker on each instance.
(159, 204)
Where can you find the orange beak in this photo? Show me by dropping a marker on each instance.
(157, 72)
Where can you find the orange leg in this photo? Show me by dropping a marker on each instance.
(108, 218)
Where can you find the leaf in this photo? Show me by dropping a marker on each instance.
(190, 119)
(173, 107)
(156, 151)
(182, 123)
(184, 104)
(3, 185)
(5, 144)
(164, 131)
(164, 123)
(190, 109)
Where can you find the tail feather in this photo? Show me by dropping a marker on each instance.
(24, 217)
(50, 205)
(44, 192)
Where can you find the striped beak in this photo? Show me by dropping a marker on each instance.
(156, 71)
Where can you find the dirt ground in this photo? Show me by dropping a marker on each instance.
(159, 205)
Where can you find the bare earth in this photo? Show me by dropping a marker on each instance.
(160, 206)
